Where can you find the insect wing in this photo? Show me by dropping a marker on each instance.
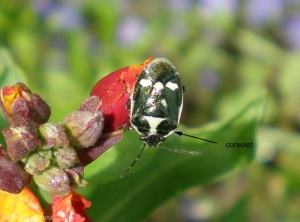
(156, 102)
(174, 97)
(138, 99)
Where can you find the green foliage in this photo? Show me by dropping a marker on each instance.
(160, 175)
(224, 62)
(238, 212)
(10, 73)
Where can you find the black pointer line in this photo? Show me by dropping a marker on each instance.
(180, 134)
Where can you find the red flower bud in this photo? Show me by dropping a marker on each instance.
(10, 93)
(20, 105)
(114, 91)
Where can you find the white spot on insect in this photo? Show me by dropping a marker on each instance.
(164, 103)
(146, 82)
(172, 86)
(147, 72)
(153, 123)
(158, 86)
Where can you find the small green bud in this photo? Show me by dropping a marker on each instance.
(66, 157)
(53, 180)
(35, 163)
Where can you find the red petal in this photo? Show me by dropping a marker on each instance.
(110, 88)
(70, 208)
(114, 91)
(130, 77)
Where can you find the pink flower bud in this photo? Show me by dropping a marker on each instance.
(91, 104)
(20, 141)
(83, 127)
(13, 178)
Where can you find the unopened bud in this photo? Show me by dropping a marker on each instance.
(91, 104)
(53, 135)
(66, 157)
(20, 105)
(53, 180)
(75, 174)
(83, 127)
(45, 153)
(35, 163)
(20, 141)
(13, 178)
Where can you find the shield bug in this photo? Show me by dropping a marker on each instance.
(156, 105)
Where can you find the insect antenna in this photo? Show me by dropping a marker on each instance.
(181, 151)
(136, 159)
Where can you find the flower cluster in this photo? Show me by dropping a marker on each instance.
(54, 154)
(46, 152)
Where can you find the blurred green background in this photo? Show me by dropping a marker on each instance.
(227, 53)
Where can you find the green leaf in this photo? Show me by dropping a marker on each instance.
(10, 73)
(160, 175)
(239, 211)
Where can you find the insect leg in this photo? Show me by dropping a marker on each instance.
(183, 89)
(136, 159)
(181, 151)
